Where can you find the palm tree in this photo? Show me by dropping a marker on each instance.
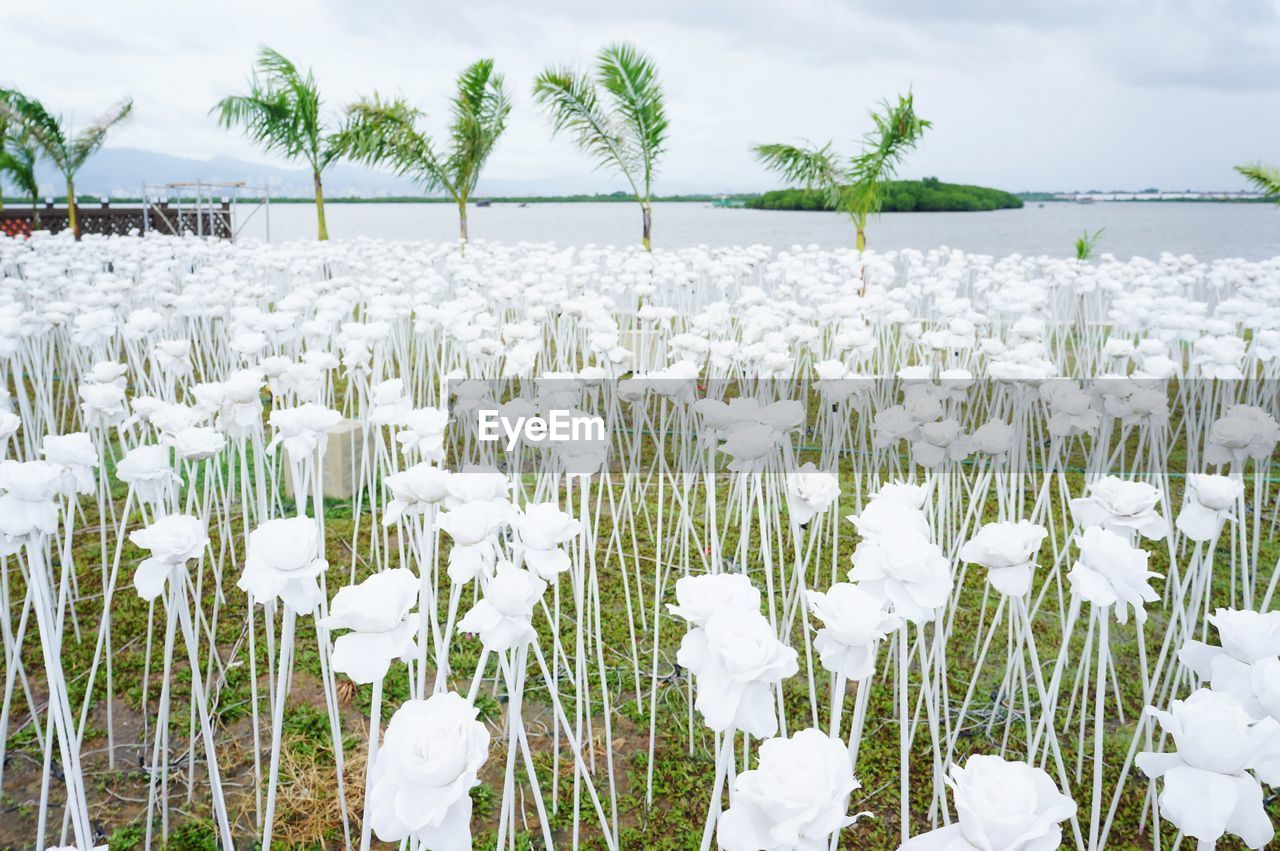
(54, 137)
(626, 133)
(858, 187)
(1265, 178)
(384, 132)
(281, 113)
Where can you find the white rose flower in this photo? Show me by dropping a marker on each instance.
(303, 430)
(853, 623)
(146, 469)
(284, 560)
(413, 490)
(27, 491)
(423, 774)
(474, 528)
(1211, 783)
(173, 540)
(196, 443)
(905, 569)
(377, 611)
(1002, 806)
(992, 438)
(541, 528)
(736, 661)
(796, 797)
(1207, 505)
(77, 456)
(475, 483)
(1008, 552)
(390, 404)
(423, 433)
(810, 491)
(503, 618)
(1117, 504)
(700, 597)
(1112, 572)
(103, 404)
(1248, 638)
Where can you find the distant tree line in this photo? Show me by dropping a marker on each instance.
(899, 196)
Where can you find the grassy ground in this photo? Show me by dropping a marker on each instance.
(308, 815)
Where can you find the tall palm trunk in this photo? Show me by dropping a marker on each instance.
(322, 230)
(35, 212)
(647, 238)
(73, 220)
(462, 219)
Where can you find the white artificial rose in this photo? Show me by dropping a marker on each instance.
(736, 661)
(284, 560)
(302, 430)
(76, 454)
(1117, 504)
(421, 779)
(992, 438)
(796, 797)
(1207, 505)
(423, 433)
(1211, 783)
(905, 569)
(503, 618)
(1008, 551)
(810, 491)
(146, 469)
(195, 443)
(853, 622)
(1112, 572)
(377, 611)
(541, 530)
(413, 490)
(700, 597)
(1001, 806)
(173, 540)
(1248, 638)
(27, 492)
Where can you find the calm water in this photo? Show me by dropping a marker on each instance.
(1205, 230)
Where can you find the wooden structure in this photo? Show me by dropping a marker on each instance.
(104, 218)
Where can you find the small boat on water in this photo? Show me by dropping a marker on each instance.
(485, 203)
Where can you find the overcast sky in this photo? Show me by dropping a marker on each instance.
(1023, 94)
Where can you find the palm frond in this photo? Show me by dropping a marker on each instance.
(384, 132)
(88, 140)
(480, 111)
(18, 163)
(1265, 178)
(631, 79)
(281, 111)
(812, 168)
(897, 130)
(40, 125)
(572, 101)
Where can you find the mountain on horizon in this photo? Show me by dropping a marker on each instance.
(122, 172)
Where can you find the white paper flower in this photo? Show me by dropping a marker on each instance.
(541, 530)
(503, 618)
(284, 560)
(1112, 572)
(1248, 639)
(76, 454)
(146, 469)
(474, 528)
(1008, 552)
(27, 492)
(303, 430)
(377, 611)
(1211, 783)
(853, 623)
(173, 540)
(1207, 504)
(796, 797)
(196, 443)
(810, 491)
(421, 779)
(1120, 505)
(905, 569)
(413, 490)
(700, 597)
(423, 433)
(1002, 806)
(736, 661)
